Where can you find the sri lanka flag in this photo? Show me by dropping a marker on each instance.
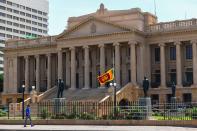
(106, 77)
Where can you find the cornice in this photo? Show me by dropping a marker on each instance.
(180, 31)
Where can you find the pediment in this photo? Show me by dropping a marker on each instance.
(92, 27)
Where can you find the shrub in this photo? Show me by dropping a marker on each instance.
(192, 112)
(2, 113)
(87, 116)
(44, 114)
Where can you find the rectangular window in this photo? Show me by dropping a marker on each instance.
(34, 29)
(173, 53)
(27, 8)
(16, 24)
(2, 14)
(9, 9)
(40, 18)
(45, 14)
(28, 15)
(157, 54)
(40, 24)
(28, 27)
(40, 12)
(2, 34)
(188, 52)
(2, 21)
(22, 26)
(9, 29)
(35, 17)
(9, 22)
(9, 16)
(16, 11)
(9, 3)
(21, 19)
(34, 23)
(45, 20)
(9, 36)
(2, 7)
(22, 32)
(15, 31)
(28, 21)
(15, 18)
(22, 13)
(35, 11)
(3, 1)
(2, 28)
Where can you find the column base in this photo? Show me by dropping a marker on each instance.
(85, 88)
(194, 86)
(72, 88)
(179, 86)
(162, 87)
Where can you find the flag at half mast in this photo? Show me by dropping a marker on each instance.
(106, 77)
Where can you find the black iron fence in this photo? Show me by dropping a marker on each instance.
(90, 110)
(123, 111)
(93, 110)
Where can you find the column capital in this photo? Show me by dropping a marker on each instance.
(193, 41)
(26, 57)
(85, 47)
(101, 45)
(177, 43)
(162, 44)
(132, 43)
(48, 54)
(36, 56)
(116, 44)
(72, 48)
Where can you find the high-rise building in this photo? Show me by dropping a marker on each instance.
(22, 19)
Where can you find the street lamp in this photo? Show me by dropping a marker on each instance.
(114, 85)
(33, 87)
(23, 102)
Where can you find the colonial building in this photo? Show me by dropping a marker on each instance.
(164, 52)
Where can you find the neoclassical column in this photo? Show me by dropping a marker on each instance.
(73, 68)
(102, 59)
(48, 71)
(60, 71)
(26, 73)
(6, 72)
(194, 58)
(117, 63)
(133, 62)
(37, 73)
(178, 63)
(86, 66)
(162, 65)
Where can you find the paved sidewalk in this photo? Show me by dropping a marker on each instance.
(92, 128)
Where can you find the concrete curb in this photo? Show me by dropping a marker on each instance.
(187, 123)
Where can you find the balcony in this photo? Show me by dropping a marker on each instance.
(172, 26)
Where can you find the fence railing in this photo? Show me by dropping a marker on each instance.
(124, 110)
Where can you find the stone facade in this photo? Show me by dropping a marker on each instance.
(164, 52)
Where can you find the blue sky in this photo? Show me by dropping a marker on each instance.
(167, 10)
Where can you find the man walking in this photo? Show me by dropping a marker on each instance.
(28, 116)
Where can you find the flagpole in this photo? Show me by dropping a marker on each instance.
(114, 81)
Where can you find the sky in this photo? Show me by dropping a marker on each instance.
(166, 10)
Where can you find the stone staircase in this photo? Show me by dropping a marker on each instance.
(95, 94)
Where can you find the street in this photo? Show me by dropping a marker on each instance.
(92, 128)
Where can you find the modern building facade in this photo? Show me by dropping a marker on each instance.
(21, 19)
(164, 52)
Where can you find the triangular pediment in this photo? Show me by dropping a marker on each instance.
(92, 27)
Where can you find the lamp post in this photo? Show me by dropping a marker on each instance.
(114, 86)
(33, 88)
(23, 97)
